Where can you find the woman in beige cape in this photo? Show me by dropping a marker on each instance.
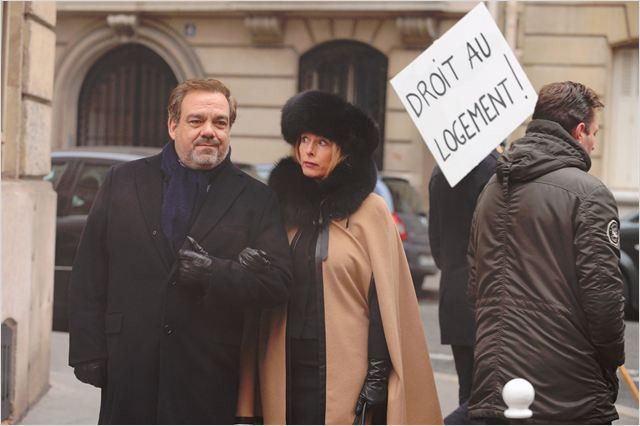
(351, 340)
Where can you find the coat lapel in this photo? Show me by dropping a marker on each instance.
(149, 189)
(227, 188)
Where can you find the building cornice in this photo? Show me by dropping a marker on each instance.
(266, 6)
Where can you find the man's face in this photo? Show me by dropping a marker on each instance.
(202, 134)
(587, 136)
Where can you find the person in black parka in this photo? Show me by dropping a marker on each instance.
(450, 215)
(544, 274)
(179, 251)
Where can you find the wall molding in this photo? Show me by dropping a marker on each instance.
(89, 46)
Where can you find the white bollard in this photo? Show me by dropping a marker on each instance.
(518, 394)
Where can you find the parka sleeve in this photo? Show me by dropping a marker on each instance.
(597, 248)
(88, 287)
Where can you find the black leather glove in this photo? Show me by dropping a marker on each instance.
(253, 259)
(194, 269)
(374, 389)
(92, 372)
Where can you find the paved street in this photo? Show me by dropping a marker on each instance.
(71, 402)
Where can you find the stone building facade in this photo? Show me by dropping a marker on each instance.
(595, 43)
(262, 50)
(28, 203)
(54, 54)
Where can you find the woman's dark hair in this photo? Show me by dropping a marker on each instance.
(568, 104)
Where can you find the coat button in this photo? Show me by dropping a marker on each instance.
(167, 329)
(173, 283)
(154, 233)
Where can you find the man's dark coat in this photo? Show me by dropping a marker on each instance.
(172, 351)
(450, 215)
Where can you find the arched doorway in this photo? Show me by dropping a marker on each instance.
(123, 99)
(353, 70)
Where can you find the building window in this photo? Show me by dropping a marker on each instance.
(623, 147)
(353, 70)
(123, 99)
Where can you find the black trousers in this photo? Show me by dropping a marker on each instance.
(463, 359)
(306, 395)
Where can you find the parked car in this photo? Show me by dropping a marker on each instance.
(629, 263)
(412, 225)
(76, 176)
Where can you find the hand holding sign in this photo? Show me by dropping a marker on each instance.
(465, 93)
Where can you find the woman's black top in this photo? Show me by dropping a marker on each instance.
(303, 314)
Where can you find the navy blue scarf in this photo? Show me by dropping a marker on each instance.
(180, 193)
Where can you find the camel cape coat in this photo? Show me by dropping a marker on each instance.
(362, 246)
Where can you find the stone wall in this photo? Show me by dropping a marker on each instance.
(576, 41)
(256, 47)
(28, 203)
(258, 58)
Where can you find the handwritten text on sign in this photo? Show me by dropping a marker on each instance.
(465, 93)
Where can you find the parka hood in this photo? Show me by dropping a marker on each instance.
(545, 147)
(337, 196)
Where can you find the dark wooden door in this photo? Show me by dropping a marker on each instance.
(123, 99)
(353, 70)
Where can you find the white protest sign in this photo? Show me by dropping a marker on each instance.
(466, 93)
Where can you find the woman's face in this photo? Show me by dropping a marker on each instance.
(315, 154)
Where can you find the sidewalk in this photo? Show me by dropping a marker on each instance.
(69, 401)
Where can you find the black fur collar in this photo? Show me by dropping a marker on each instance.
(340, 194)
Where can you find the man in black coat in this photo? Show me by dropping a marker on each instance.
(450, 215)
(178, 251)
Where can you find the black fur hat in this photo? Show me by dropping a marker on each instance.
(330, 116)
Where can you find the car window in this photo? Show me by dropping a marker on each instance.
(86, 188)
(405, 197)
(264, 171)
(258, 171)
(382, 190)
(55, 175)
